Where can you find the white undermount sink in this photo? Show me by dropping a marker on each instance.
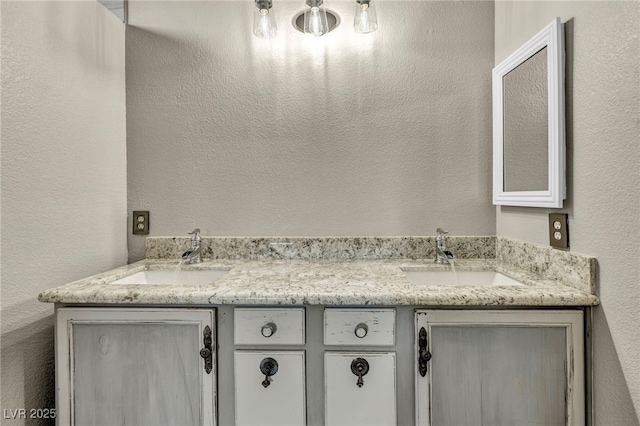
(169, 277)
(461, 278)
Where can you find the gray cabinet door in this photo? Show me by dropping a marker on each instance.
(134, 367)
(501, 368)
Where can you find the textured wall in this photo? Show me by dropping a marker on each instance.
(603, 130)
(63, 168)
(383, 134)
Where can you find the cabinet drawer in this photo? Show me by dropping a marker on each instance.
(359, 327)
(254, 326)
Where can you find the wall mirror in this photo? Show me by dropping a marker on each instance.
(528, 123)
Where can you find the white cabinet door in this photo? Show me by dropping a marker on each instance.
(371, 403)
(500, 368)
(278, 399)
(117, 366)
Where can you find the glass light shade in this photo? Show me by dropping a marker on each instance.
(365, 20)
(315, 19)
(264, 22)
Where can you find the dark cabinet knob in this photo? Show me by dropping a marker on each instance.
(268, 367)
(360, 367)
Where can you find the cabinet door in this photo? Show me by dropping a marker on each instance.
(278, 399)
(371, 403)
(500, 368)
(134, 366)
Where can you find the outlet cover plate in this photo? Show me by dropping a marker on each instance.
(559, 230)
(141, 222)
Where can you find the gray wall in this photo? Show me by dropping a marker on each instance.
(603, 130)
(63, 175)
(381, 134)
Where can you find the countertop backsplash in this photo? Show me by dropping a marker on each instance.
(568, 268)
(322, 248)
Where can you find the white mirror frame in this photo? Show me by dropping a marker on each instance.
(551, 37)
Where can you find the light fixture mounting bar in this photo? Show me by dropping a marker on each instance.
(264, 4)
(314, 3)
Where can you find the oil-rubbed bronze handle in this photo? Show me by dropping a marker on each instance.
(360, 367)
(207, 351)
(424, 355)
(268, 367)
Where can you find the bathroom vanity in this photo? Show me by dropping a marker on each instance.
(277, 341)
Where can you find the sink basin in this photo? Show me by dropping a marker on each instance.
(170, 277)
(461, 278)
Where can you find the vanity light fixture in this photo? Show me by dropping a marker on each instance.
(315, 18)
(264, 22)
(365, 20)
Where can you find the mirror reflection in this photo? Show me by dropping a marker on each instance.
(526, 127)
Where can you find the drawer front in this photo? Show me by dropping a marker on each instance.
(369, 401)
(359, 327)
(278, 400)
(255, 326)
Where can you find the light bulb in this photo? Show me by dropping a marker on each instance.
(264, 21)
(315, 19)
(365, 20)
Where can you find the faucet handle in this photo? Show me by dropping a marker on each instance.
(441, 231)
(196, 234)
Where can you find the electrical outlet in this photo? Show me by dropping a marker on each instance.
(559, 230)
(141, 222)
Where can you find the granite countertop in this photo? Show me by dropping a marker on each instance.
(319, 282)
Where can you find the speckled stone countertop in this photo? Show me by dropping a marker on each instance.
(376, 282)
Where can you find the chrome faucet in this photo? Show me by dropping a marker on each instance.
(443, 255)
(193, 255)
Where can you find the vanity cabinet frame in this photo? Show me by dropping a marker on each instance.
(410, 388)
(67, 317)
(572, 321)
